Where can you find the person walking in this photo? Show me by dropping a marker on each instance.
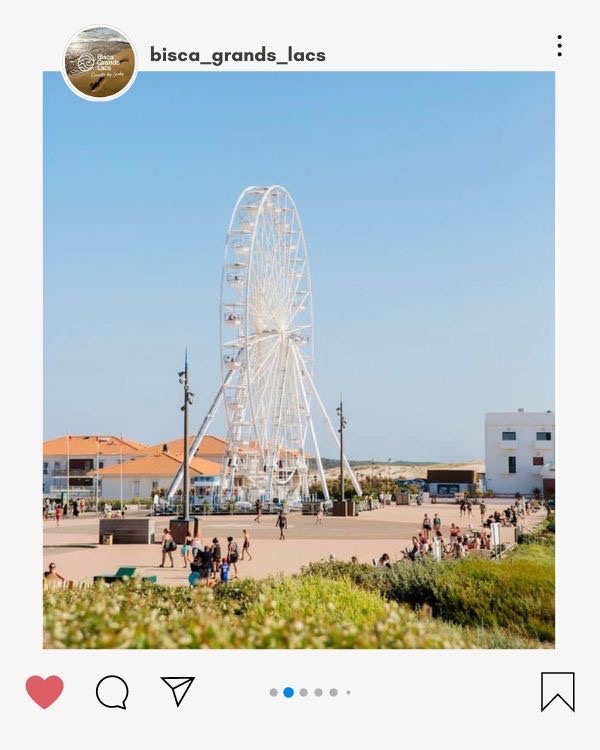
(186, 549)
(206, 563)
(58, 511)
(232, 554)
(168, 547)
(320, 514)
(246, 545)
(469, 507)
(482, 510)
(258, 511)
(216, 556)
(282, 523)
(426, 525)
(437, 524)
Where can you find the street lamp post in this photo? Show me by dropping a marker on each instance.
(187, 400)
(340, 412)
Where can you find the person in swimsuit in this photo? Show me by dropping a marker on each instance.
(258, 511)
(232, 554)
(282, 523)
(216, 556)
(246, 545)
(186, 549)
(168, 545)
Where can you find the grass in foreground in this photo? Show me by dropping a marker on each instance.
(475, 604)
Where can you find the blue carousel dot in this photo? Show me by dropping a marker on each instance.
(288, 692)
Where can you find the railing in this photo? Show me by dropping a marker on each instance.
(72, 472)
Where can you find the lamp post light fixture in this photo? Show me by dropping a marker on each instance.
(340, 412)
(187, 400)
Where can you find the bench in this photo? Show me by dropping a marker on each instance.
(122, 574)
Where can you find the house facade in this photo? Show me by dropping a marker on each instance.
(72, 463)
(141, 477)
(519, 450)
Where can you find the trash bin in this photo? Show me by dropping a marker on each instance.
(107, 538)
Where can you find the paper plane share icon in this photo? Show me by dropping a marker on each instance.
(179, 687)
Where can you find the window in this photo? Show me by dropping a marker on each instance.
(512, 464)
(509, 436)
(447, 489)
(45, 468)
(136, 488)
(100, 464)
(538, 460)
(56, 465)
(543, 436)
(154, 486)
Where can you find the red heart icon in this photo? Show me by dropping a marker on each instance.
(44, 691)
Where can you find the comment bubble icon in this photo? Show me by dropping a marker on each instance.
(112, 691)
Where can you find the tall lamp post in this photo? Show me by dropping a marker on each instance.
(340, 412)
(187, 400)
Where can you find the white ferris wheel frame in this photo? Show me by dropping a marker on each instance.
(255, 425)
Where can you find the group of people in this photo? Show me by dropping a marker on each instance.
(63, 509)
(207, 560)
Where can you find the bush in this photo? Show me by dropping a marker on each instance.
(515, 593)
(291, 613)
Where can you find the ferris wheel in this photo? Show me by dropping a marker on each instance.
(267, 354)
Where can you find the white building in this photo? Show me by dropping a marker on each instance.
(143, 476)
(72, 462)
(518, 445)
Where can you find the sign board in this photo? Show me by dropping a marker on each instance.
(495, 531)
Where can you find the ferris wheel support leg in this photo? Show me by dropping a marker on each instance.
(312, 430)
(353, 478)
(200, 434)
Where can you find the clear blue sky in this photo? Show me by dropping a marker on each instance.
(428, 208)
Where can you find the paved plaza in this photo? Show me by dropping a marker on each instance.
(74, 545)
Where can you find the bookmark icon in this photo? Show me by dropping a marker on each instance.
(179, 687)
(558, 685)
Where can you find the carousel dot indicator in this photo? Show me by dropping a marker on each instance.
(303, 692)
(333, 692)
(273, 692)
(318, 692)
(288, 692)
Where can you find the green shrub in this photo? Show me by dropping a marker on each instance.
(515, 593)
(290, 613)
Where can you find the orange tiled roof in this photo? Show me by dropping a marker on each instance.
(85, 445)
(159, 464)
(209, 446)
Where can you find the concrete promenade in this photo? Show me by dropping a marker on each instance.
(74, 545)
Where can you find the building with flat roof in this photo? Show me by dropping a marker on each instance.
(519, 448)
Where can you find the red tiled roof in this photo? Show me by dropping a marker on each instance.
(160, 464)
(89, 445)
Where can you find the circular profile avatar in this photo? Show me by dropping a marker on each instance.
(99, 63)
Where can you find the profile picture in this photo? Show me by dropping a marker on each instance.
(99, 63)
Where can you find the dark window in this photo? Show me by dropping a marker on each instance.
(45, 467)
(509, 436)
(543, 436)
(512, 464)
(447, 489)
(538, 460)
(100, 464)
